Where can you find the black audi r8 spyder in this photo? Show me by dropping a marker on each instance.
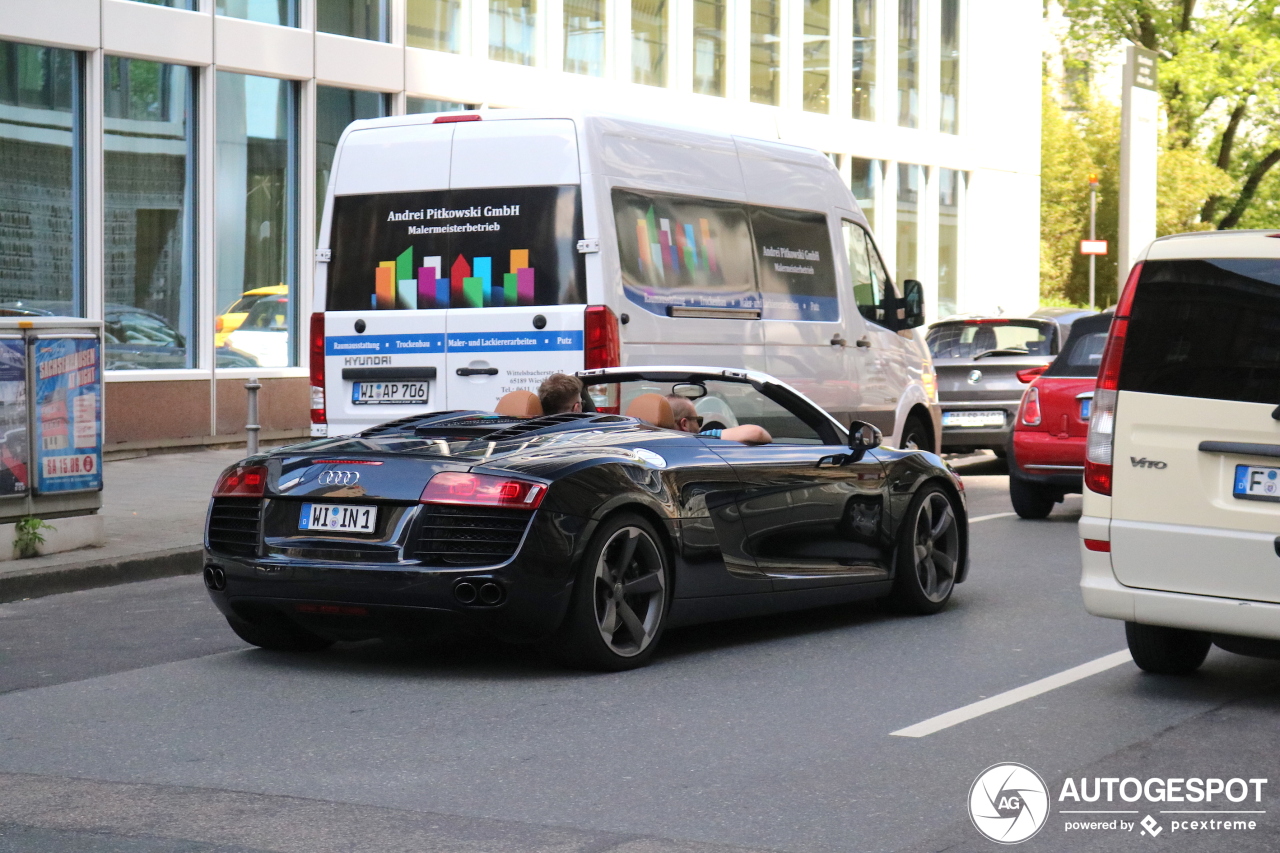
(594, 531)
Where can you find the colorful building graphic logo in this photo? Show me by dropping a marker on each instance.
(684, 246)
(470, 285)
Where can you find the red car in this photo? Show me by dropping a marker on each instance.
(1046, 461)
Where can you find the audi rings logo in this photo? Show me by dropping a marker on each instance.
(339, 478)
(1008, 803)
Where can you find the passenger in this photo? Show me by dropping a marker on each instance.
(688, 420)
(560, 393)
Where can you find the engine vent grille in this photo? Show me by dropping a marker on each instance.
(470, 535)
(233, 526)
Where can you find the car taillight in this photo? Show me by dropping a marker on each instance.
(242, 481)
(318, 414)
(1030, 414)
(601, 345)
(454, 487)
(1029, 375)
(1102, 415)
(217, 324)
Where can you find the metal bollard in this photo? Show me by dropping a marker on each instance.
(252, 427)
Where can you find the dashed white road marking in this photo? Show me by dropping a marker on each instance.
(1012, 697)
(993, 515)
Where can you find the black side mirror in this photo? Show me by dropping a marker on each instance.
(863, 437)
(912, 313)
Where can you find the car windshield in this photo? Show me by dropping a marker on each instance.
(720, 404)
(1081, 356)
(269, 313)
(969, 338)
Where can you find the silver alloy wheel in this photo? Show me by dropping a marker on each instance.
(630, 591)
(936, 540)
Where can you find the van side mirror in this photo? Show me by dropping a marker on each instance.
(863, 437)
(912, 305)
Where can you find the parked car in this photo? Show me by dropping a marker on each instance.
(228, 321)
(133, 338)
(1182, 470)
(977, 360)
(592, 530)
(1047, 459)
(531, 242)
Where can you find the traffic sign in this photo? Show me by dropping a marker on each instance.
(1093, 247)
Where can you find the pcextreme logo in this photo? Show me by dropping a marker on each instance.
(1008, 803)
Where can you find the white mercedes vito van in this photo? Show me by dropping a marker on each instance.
(465, 255)
(1182, 473)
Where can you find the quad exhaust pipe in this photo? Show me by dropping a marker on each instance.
(479, 592)
(215, 578)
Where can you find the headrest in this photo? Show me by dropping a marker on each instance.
(654, 409)
(519, 404)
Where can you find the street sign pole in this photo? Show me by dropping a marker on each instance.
(1093, 227)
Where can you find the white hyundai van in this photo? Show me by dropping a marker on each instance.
(466, 255)
(1182, 473)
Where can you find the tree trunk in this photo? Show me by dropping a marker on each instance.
(1250, 187)
(1225, 149)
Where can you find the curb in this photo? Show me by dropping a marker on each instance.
(71, 577)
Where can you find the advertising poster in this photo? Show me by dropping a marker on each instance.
(13, 418)
(68, 415)
(475, 248)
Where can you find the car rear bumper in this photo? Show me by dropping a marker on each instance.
(1044, 458)
(1107, 597)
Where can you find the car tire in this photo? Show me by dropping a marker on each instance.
(1166, 651)
(929, 550)
(1030, 500)
(621, 596)
(916, 435)
(278, 635)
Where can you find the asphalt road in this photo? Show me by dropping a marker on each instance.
(132, 720)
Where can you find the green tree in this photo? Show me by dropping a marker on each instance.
(1218, 80)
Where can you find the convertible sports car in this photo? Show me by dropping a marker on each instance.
(594, 531)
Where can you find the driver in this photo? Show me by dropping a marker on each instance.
(688, 420)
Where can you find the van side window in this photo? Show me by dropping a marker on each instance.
(683, 251)
(870, 280)
(796, 272)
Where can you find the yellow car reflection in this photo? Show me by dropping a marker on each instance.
(233, 317)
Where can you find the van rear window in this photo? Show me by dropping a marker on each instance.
(686, 252)
(1207, 329)
(473, 248)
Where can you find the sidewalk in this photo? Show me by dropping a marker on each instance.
(153, 508)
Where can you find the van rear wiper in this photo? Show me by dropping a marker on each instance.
(1010, 351)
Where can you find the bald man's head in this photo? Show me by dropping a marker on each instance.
(686, 416)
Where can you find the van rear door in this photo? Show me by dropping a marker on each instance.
(520, 312)
(1196, 460)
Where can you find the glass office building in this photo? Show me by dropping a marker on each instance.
(164, 163)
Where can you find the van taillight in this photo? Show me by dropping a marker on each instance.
(451, 119)
(1102, 417)
(318, 415)
(601, 345)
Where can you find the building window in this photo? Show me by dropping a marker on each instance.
(362, 19)
(766, 51)
(41, 178)
(817, 56)
(862, 182)
(173, 4)
(256, 229)
(513, 26)
(949, 68)
(435, 25)
(414, 105)
(649, 42)
(708, 47)
(908, 221)
(584, 37)
(864, 59)
(948, 240)
(909, 63)
(335, 109)
(149, 169)
(281, 12)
